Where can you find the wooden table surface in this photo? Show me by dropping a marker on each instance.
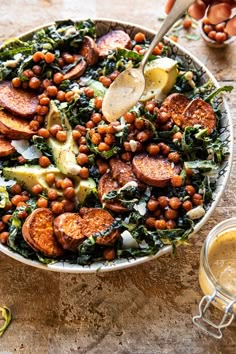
(145, 309)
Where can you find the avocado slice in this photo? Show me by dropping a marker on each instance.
(64, 153)
(84, 188)
(28, 176)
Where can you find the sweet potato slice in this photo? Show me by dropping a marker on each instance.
(89, 51)
(67, 231)
(6, 148)
(121, 172)
(97, 220)
(199, 112)
(113, 40)
(174, 105)
(38, 232)
(14, 128)
(76, 71)
(107, 184)
(155, 171)
(17, 101)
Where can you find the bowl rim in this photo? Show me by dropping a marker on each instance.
(106, 267)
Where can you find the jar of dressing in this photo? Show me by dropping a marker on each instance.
(217, 277)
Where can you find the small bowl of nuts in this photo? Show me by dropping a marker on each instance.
(215, 35)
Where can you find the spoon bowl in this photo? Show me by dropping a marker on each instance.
(129, 86)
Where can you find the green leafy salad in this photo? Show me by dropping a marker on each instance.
(76, 188)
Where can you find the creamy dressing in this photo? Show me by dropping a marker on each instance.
(222, 263)
(222, 260)
(123, 94)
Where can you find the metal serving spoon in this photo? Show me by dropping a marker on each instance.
(129, 85)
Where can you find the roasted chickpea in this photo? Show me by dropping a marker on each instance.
(176, 181)
(66, 183)
(49, 57)
(52, 91)
(98, 102)
(190, 190)
(106, 81)
(16, 188)
(174, 157)
(44, 101)
(3, 237)
(44, 161)
(57, 208)
(69, 193)
(82, 159)
(37, 189)
(34, 83)
(44, 133)
(197, 199)
(109, 254)
(16, 82)
(52, 194)
(109, 139)
(84, 149)
(150, 222)
(6, 218)
(165, 149)
(58, 78)
(61, 136)
(130, 117)
(187, 205)
(160, 224)
(96, 118)
(103, 147)
(16, 199)
(139, 37)
(170, 224)
(153, 149)
(34, 125)
(174, 203)
(143, 136)
(50, 178)
(139, 123)
(54, 129)
(163, 201)
(37, 56)
(152, 204)
(42, 202)
(177, 136)
(61, 96)
(171, 214)
(84, 173)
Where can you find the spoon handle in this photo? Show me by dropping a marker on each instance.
(179, 8)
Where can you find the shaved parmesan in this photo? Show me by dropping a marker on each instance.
(141, 208)
(28, 152)
(128, 240)
(196, 213)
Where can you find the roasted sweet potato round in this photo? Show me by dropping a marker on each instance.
(38, 232)
(113, 40)
(108, 184)
(199, 112)
(155, 171)
(97, 220)
(17, 101)
(67, 231)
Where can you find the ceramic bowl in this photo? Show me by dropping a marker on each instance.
(175, 51)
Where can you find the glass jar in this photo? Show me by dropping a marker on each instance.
(217, 277)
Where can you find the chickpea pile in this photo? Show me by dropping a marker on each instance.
(215, 32)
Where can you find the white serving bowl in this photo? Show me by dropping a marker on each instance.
(175, 50)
